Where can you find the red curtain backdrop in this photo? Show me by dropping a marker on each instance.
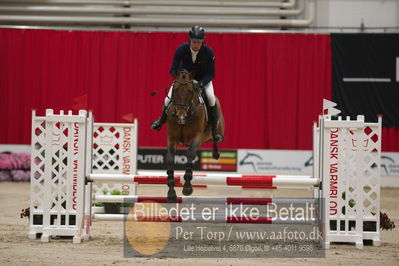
(270, 85)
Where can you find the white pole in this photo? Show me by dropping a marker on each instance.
(211, 180)
(200, 200)
(198, 218)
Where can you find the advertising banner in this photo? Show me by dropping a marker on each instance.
(226, 162)
(155, 159)
(297, 162)
(275, 161)
(390, 164)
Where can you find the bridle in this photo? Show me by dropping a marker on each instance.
(186, 106)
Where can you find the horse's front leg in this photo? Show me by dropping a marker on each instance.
(170, 161)
(188, 175)
(215, 153)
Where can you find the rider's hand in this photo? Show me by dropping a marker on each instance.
(197, 84)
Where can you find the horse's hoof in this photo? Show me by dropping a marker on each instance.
(172, 197)
(187, 190)
(216, 155)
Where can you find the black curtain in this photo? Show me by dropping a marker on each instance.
(366, 75)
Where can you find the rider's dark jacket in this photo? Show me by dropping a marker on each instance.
(203, 68)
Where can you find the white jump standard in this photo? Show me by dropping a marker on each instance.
(59, 151)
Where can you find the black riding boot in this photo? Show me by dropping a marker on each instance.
(157, 124)
(214, 117)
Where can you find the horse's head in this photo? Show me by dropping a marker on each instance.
(183, 96)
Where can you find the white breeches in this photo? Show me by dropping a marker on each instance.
(208, 92)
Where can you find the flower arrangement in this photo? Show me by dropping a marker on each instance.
(14, 167)
(385, 222)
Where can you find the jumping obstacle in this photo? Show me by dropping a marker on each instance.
(244, 181)
(349, 156)
(198, 219)
(198, 200)
(349, 185)
(223, 214)
(57, 150)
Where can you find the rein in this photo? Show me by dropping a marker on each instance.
(164, 89)
(186, 106)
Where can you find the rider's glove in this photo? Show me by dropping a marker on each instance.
(198, 84)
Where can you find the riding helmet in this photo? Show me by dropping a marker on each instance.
(197, 33)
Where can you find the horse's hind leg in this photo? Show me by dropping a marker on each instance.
(170, 161)
(188, 175)
(215, 153)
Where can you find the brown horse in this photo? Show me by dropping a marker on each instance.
(187, 125)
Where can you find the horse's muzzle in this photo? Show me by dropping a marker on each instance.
(181, 117)
(181, 120)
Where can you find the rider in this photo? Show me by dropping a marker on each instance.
(197, 57)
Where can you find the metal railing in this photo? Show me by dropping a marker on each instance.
(233, 14)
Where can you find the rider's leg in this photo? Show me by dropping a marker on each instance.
(157, 124)
(214, 112)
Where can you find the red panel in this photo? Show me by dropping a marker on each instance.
(153, 179)
(251, 181)
(270, 85)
